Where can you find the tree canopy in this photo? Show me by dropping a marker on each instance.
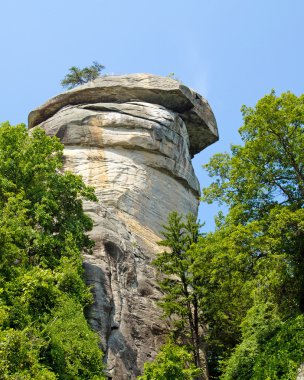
(181, 300)
(77, 76)
(268, 169)
(43, 230)
(257, 251)
(172, 363)
(247, 275)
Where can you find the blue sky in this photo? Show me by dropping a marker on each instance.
(232, 52)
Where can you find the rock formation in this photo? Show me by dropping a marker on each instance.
(300, 375)
(132, 138)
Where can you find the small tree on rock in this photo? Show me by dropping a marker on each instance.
(78, 76)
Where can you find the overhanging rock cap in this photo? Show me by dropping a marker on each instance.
(165, 91)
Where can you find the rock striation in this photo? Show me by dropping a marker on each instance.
(132, 137)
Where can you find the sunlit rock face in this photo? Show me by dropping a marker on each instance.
(132, 138)
(300, 375)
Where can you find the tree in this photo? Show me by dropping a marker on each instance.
(78, 76)
(268, 169)
(271, 348)
(263, 181)
(43, 231)
(246, 277)
(260, 242)
(171, 363)
(178, 282)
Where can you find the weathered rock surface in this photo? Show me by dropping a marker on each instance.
(132, 138)
(164, 91)
(301, 373)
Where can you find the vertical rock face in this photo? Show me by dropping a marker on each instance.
(132, 138)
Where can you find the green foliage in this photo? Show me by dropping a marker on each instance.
(245, 279)
(78, 76)
(268, 169)
(255, 258)
(171, 363)
(43, 231)
(223, 272)
(20, 355)
(175, 262)
(280, 356)
(178, 281)
(73, 347)
(271, 348)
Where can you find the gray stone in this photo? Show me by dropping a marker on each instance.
(301, 372)
(164, 91)
(132, 138)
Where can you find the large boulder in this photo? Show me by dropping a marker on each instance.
(132, 138)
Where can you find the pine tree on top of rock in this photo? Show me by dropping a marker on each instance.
(77, 76)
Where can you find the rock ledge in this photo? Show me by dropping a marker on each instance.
(165, 91)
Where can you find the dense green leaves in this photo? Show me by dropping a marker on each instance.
(73, 347)
(171, 363)
(261, 243)
(181, 300)
(247, 275)
(20, 355)
(43, 231)
(271, 348)
(268, 169)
